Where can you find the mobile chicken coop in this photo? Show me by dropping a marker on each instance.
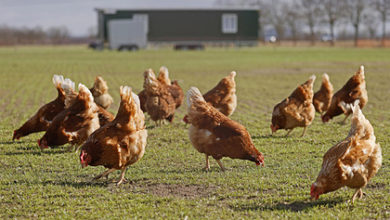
(131, 29)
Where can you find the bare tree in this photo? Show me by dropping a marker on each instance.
(354, 11)
(293, 19)
(276, 16)
(58, 35)
(383, 7)
(333, 12)
(371, 23)
(311, 11)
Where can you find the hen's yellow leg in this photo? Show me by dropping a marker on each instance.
(207, 167)
(220, 165)
(122, 178)
(105, 173)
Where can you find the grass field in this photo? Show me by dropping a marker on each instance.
(168, 182)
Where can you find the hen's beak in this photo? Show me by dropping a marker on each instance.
(14, 136)
(273, 129)
(258, 164)
(314, 197)
(42, 144)
(185, 119)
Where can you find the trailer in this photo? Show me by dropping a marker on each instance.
(132, 29)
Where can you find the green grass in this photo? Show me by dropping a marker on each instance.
(168, 182)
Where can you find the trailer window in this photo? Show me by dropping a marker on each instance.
(229, 23)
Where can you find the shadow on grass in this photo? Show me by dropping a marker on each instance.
(18, 142)
(269, 137)
(37, 152)
(194, 170)
(296, 206)
(150, 126)
(78, 184)
(69, 183)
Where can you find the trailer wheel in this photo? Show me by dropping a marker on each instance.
(189, 47)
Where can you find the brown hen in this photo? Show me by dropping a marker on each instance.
(75, 123)
(42, 119)
(352, 162)
(295, 111)
(100, 93)
(160, 104)
(354, 89)
(119, 143)
(173, 87)
(214, 134)
(323, 97)
(222, 96)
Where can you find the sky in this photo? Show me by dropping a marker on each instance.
(77, 15)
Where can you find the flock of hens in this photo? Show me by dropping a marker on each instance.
(115, 142)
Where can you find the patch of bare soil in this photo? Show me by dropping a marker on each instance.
(176, 190)
(376, 185)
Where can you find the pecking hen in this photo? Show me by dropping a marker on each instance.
(42, 119)
(216, 135)
(352, 162)
(75, 123)
(295, 111)
(119, 143)
(354, 89)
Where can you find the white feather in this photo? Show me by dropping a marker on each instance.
(165, 70)
(68, 86)
(84, 89)
(194, 94)
(57, 79)
(312, 77)
(361, 71)
(136, 99)
(325, 76)
(347, 170)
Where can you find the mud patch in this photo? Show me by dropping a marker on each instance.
(188, 191)
(376, 186)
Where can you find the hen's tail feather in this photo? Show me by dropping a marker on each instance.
(128, 95)
(357, 112)
(361, 71)
(233, 74)
(136, 99)
(150, 78)
(311, 80)
(359, 124)
(68, 86)
(193, 95)
(57, 79)
(164, 75)
(100, 84)
(84, 90)
(149, 73)
(325, 77)
(164, 69)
